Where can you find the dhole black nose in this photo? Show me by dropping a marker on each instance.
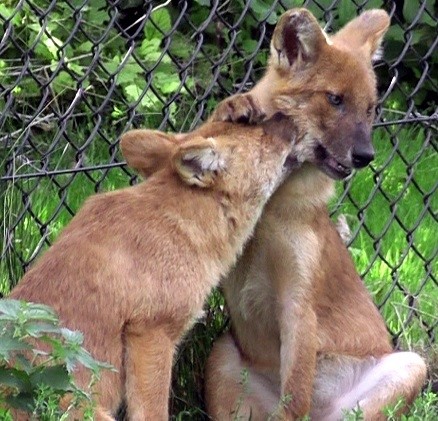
(363, 151)
(363, 158)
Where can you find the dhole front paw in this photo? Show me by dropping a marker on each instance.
(240, 108)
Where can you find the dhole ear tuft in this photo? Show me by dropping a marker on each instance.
(365, 33)
(147, 151)
(198, 162)
(297, 39)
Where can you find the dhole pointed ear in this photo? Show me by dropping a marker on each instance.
(297, 40)
(147, 151)
(198, 162)
(364, 33)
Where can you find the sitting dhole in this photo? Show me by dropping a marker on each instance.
(134, 266)
(303, 325)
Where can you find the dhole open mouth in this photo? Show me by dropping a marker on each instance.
(329, 165)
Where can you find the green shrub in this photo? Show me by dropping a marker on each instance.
(37, 358)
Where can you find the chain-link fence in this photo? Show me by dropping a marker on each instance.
(76, 74)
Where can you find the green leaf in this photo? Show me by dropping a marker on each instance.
(180, 46)
(72, 336)
(27, 88)
(17, 379)
(5, 414)
(112, 66)
(203, 2)
(97, 17)
(37, 329)
(411, 10)
(10, 344)
(374, 4)
(133, 92)
(62, 82)
(167, 83)
(85, 47)
(149, 47)
(23, 401)
(22, 363)
(85, 358)
(14, 309)
(53, 44)
(10, 307)
(77, 68)
(7, 12)
(161, 19)
(249, 45)
(55, 376)
(40, 312)
(129, 72)
(151, 101)
(395, 33)
(347, 10)
(118, 112)
(261, 10)
(260, 7)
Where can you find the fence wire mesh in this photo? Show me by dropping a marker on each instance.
(76, 74)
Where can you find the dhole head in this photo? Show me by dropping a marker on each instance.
(249, 162)
(328, 86)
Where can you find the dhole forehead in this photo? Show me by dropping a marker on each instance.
(348, 74)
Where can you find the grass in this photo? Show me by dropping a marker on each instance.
(388, 202)
(383, 203)
(39, 208)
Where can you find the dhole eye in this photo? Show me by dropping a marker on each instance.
(334, 99)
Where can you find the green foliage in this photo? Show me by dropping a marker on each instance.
(353, 415)
(37, 358)
(68, 63)
(424, 408)
(420, 37)
(163, 66)
(390, 204)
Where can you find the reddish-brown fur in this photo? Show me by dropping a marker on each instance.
(303, 325)
(133, 267)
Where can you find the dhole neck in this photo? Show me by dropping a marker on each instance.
(305, 189)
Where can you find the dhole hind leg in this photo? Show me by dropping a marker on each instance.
(234, 390)
(344, 384)
(148, 365)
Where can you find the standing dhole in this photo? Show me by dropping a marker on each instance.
(303, 326)
(133, 268)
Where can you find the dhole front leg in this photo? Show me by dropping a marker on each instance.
(149, 358)
(297, 358)
(298, 329)
(239, 108)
